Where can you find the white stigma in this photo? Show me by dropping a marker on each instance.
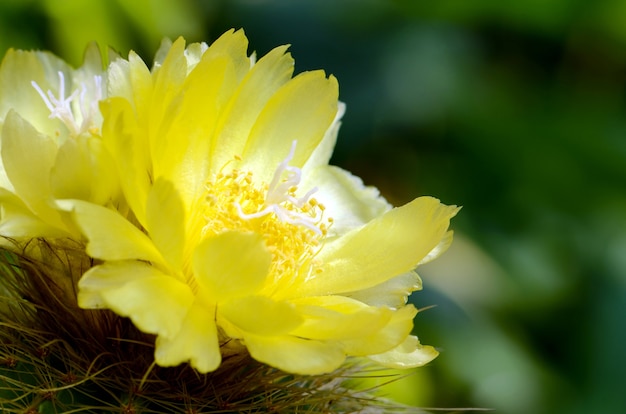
(280, 192)
(77, 111)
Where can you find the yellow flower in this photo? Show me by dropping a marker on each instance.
(239, 232)
(49, 140)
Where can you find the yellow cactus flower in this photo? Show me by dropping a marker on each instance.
(49, 139)
(239, 235)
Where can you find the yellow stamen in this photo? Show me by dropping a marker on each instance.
(293, 228)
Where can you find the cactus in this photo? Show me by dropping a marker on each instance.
(58, 358)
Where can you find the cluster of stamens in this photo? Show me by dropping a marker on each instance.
(292, 227)
(77, 111)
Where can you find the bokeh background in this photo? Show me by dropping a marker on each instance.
(514, 110)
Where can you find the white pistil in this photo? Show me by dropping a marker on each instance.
(280, 191)
(80, 120)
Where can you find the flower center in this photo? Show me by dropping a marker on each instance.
(292, 227)
(79, 111)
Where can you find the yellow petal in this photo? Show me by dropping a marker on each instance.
(409, 354)
(110, 275)
(92, 61)
(350, 203)
(385, 247)
(295, 355)
(393, 333)
(119, 83)
(181, 141)
(18, 69)
(154, 301)
(439, 249)
(196, 342)
(106, 184)
(301, 110)
(128, 147)
(193, 53)
(324, 151)
(19, 221)
(266, 76)
(260, 315)
(234, 45)
(84, 170)
(165, 222)
(162, 51)
(170, 75)
(28, 158)
(111, 236)
(231, 264)
(131, 79)
(392, 293)
(338, 318)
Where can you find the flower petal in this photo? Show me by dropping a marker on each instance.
(17, 220)
(392, 293)
(301, 110)
(393, 333)
(28, 157)
(111, 236)
(231, 264)
(234, 45)
(409, 354)
(84, 170)
(439, 249)
(18, 69)
(295, 355)
(260, 315)
(156, 302)
(264, 79)
(350, 203)
(196, 342)
(338, 318)
(128, 147)
(165, 222)
(324, 151)
(180, 142)
(387, 246)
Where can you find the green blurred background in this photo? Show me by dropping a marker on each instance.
(515, 110)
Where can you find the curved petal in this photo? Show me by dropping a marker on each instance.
(128, 147)
(17, 220)
(181, 140)
(84, 170)
(387, 246)
(165, 221)
(391, 335)
(110, 236)
(131, 80)
(409, 354)
(301, 110)
(196, 342)
(169, 76)
(392, 293)
(439, 249)
(260, 315)
(28, 158)
(338, 318)
(264, 79)
(234, 45)
(154, 301)
(18, 69)
(193, 53)
(324, 151)
(295, 355)
(231, 264)
(350, 203)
